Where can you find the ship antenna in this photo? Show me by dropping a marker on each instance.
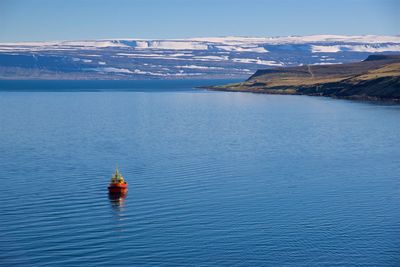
(116, 170)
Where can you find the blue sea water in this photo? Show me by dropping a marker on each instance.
(215, 178)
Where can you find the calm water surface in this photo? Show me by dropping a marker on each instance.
(214, 178)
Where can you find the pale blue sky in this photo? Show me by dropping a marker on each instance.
(36, 20)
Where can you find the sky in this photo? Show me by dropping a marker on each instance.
(44, 20)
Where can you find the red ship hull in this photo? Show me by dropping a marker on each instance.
(118, 188)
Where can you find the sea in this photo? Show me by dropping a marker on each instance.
(215, 178)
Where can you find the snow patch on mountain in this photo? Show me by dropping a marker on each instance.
(199, 67)
(238, 48)
(83, 60)
(325, 48)
(96, 44)
(113, 70)
(326, 63)
(211, 58)
(355, 48)
(257, 61)
(171, 45)
(233, 40)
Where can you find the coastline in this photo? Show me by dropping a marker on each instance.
(361, 98)
(377, 78)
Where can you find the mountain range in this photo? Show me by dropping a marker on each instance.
(215, 57)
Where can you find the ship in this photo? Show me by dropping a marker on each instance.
(118, 185)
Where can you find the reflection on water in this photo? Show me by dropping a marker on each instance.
(117, 201)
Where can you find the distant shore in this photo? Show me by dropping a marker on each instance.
(375, 79)
(353, 97)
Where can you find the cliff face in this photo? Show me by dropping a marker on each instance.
(377, 77)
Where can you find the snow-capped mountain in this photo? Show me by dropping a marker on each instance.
(216, 57)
